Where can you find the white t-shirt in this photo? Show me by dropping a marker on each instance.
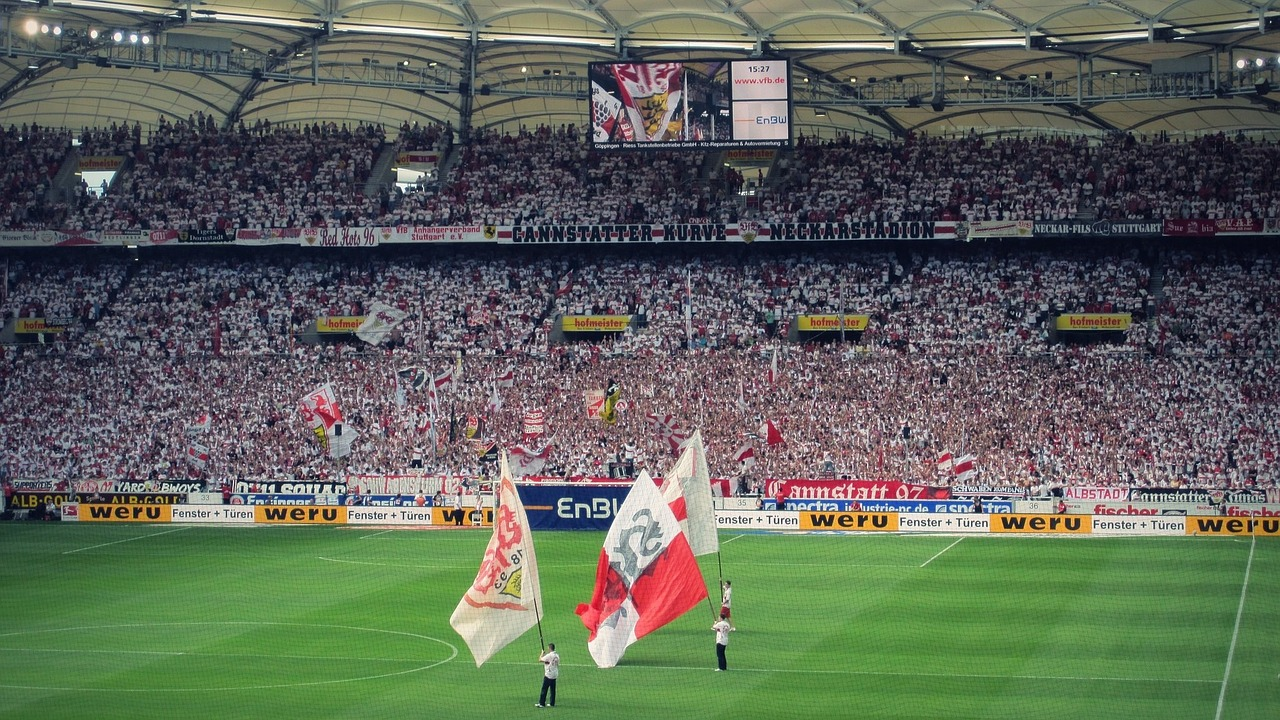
(722, 632)
(551, 664)
(726, 596)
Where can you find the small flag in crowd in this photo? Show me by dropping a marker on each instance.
(769, 433)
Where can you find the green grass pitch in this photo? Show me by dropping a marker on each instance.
(148, 621)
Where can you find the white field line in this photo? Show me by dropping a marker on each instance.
(140, 537)
(1235, 633)
(935, 557)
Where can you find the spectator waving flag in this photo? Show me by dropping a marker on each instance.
(507, 378)
(319, 409)
(668, 430)
(646, 577)
(529, 461)
(609, 411)
(492, 407)
(506, 599)
(944, 461)
(535, 425)
(379, 322)
(198, 455)
(769, 433)
(746, 455)
(963, 469)
(201, 425)
(687, 490)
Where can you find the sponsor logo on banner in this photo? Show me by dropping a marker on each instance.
(392, 516)
(339, 323)
(300, 514)
(34, 326)
(1095, 507)
(914, 522)
(449, 516)
(210, 514)
(1269, 527)
(1252, 510)
(347, 237)
(994, 228)
(1118, 322)
(869, 522)
(94, 512)
(825, 323)
(1093, 492)
(757, 519)
(1139, 526)
(1192, 227)
(100, 163)
(417, 159)
(988, 491)
(1015, 523)
(71, 512)
(125, 237)
(595, 323)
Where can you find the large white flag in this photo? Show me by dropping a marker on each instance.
(379, 322)
(505, 600)
(645, 578)
(687, 490)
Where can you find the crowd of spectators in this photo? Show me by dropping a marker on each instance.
(194, 174)
(958, 356)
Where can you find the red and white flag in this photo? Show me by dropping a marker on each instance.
(506, 599)
(963, 468)
(647, 575)
(687, 490)
(379, 322)
(443, 381)
(669, 430)
(535, 425)
(492, 407)
(201, 425)
(746, 455)
(769, 433)
(944, 461)
(773, 368)
(528, 461)
(198, 455)
(651, 95)
(506, 379)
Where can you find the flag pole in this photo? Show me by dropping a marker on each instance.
(538, 614)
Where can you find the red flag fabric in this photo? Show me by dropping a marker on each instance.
(770, 433)
(646, 577)
(746, 455)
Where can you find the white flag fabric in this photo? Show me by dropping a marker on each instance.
(646, 576)
(528, 461)
(687, 490)
(198, 455)
(379, 322)
(505, 600)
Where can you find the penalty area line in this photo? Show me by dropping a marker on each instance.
(117, 542)
(943, 550)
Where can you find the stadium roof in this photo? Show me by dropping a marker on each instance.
(873, 66)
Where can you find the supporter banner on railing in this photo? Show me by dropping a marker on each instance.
(1096, 493)
(207, 237)
(746, 231)
(1237, 226)
(1095, 322)
(1176, 495)
(269, 236)
(441, 234)
(341, 237)
(1102, 507)
(987, 491)
(1100, 228)
(594, 323)
(290, 488)
(829, 323)
(992, 228)
(1192, 227)
(854, 490)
